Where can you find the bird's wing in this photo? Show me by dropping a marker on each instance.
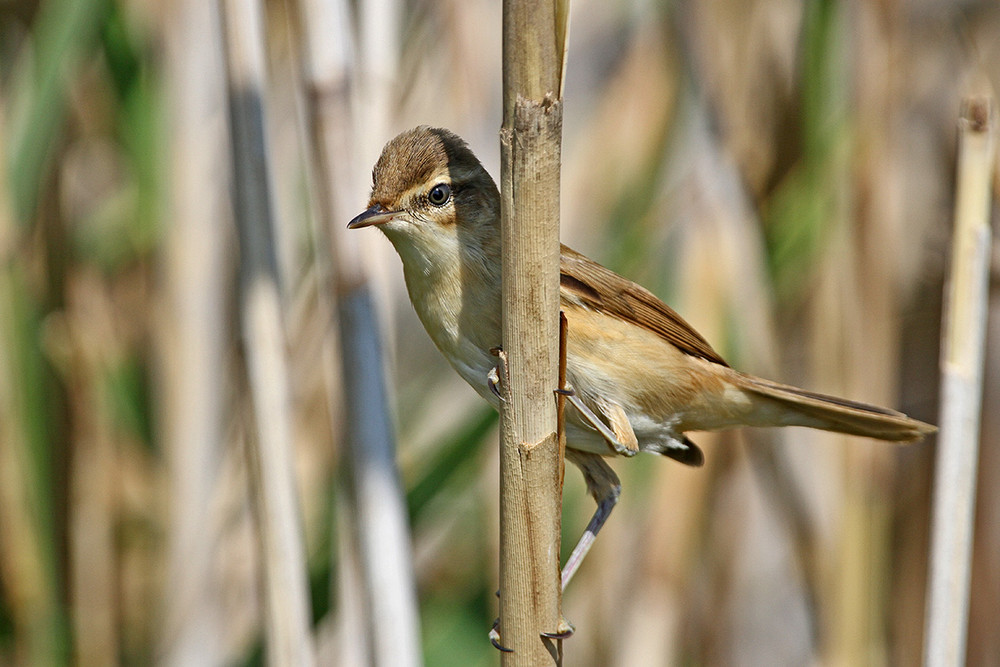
(592, 286)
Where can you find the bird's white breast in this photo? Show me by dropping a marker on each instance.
(460, 326)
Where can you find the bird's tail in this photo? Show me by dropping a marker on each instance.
(799, 407)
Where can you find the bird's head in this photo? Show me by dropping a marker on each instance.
(429, 194)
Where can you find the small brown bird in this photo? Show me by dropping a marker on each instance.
(641, 377)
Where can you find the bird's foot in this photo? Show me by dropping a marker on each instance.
(565, 630)
(497, 378)
(493, 382)
(495, 638)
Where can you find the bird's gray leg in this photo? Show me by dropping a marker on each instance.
(620, 436)
(604, 486)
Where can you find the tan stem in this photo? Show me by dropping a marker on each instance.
(530, 461)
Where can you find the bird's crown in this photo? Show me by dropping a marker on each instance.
(414, 157)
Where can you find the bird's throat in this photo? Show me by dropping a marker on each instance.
(457, 301)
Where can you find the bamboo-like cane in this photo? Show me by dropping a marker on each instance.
(262, 326)
(377, 497)
(192, 338)
(962, 362)
(530, 483)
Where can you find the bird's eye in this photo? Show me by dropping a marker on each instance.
(439, 194)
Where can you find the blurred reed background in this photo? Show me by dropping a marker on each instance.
(780, 171)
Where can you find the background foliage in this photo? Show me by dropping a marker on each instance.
(780, 171)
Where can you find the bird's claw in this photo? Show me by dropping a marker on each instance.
(493, 382)
(564, 631)
(495, 638)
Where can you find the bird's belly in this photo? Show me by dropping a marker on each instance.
(662, 391)
(464, 346)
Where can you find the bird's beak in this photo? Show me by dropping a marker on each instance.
(376, 214)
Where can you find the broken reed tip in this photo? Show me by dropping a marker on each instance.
(977, 112)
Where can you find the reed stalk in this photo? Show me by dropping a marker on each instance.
(264, 343)
(530, 460)
(962, 362)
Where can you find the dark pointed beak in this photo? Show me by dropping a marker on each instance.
(376, 214)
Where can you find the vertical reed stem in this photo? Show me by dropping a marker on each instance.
(530, 466)
(962, 362)
(263, 333)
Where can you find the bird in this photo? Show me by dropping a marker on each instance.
(639, 377)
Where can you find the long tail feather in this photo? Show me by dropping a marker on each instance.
(830, 413)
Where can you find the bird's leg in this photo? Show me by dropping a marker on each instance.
(604, 486)
(620, 436)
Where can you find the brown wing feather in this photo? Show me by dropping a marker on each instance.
(600, 289)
